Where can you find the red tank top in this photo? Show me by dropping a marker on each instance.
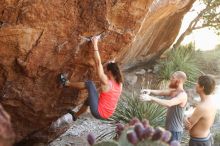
(108, 100)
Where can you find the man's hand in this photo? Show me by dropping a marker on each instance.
(144, 96)
(188, 125)
(145, 91)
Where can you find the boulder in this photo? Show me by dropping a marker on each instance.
(140, 72)
(131, 79)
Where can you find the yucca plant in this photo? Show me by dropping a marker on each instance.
(129, 107)
(183, 59)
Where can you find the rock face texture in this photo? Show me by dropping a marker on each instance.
(7, 135)
(41, 38)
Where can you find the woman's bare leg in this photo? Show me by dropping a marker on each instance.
(82, 110)
(85, 105)
(78, 85)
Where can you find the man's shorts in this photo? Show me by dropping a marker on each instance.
(207, 141)
(176, 135)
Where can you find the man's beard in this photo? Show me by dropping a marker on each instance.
(174, 85)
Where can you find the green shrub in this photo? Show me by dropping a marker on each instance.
(208, 61)
(183, 59)
(217, 138)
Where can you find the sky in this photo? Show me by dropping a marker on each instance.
(204, 39)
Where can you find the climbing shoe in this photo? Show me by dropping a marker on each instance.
(73, 114)
(63, 79)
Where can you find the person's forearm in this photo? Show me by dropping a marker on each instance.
(156, 92)
(99, 67)
(97, 55)
(162, 102)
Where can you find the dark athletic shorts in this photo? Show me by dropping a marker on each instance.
(208, 141)
(176, 135)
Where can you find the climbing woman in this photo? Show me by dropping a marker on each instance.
(103, 104)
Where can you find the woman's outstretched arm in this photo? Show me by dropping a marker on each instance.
(103, 77)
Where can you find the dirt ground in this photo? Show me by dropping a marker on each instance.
(76, 135)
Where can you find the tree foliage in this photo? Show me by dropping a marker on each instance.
(208, 17)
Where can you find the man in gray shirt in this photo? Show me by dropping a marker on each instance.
(176, 102)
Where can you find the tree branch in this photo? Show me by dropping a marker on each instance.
(193, 24)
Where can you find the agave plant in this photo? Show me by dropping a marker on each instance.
(129, 107)
(182, 58)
